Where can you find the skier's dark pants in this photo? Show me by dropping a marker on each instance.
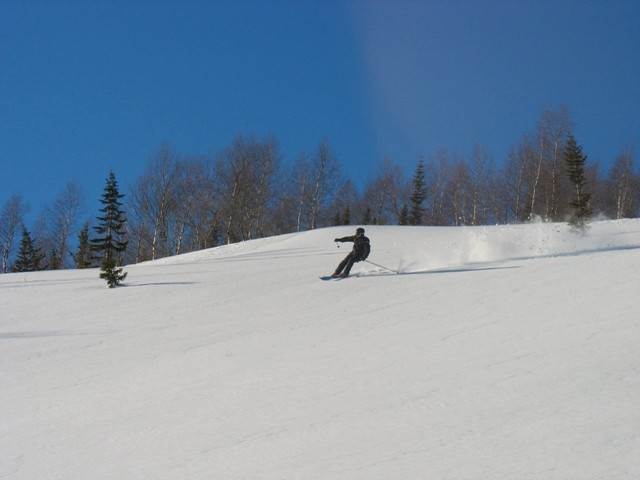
(349, 260)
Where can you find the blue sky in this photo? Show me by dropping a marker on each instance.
(92, 86)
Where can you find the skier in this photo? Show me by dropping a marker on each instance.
(360, 252)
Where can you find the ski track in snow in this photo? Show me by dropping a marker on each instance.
(499, 352)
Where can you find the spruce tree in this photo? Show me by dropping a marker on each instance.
(337, 219)
(342, 218)
(346, 216)
(366, 218)
(29, 256)
(580, 199)
(404, 215)
(109, 245)
(55, 261)
(83, 257)
(418, 195)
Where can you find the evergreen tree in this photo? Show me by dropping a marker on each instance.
(55, 261)
(346, 215)
(29, 256)
(418, 195)
(111, 273)
(580, 202)
(110, 245)
(337, 219)
(83, 256)
(404, 215)
(366, 219)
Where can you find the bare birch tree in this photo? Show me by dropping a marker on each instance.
(459, 189)
(553, 131)
(11, 218)
(266, 160)
(537, 167)
(480, 171)
(387, 193)
(153, 201)
(197, 216)
(325, 174)
(245, 174)
(439, 175)
(622, 196)
(301, 182)
(63, 216)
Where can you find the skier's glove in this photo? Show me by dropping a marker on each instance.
(336, 240)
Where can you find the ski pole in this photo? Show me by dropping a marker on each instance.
(381, 266)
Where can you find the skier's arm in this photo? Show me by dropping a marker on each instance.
(344, 239)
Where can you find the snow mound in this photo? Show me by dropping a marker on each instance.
(500, 352)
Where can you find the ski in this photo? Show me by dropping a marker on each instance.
(330, 277)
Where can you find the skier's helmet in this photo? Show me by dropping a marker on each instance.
(360, 231)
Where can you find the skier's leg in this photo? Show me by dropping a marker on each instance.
(350, 262)
(342, 265)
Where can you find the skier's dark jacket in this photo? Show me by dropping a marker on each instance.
(361, 246)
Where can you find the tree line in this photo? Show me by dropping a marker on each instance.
(245, 191)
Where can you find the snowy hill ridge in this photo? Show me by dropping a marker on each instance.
(500, 352)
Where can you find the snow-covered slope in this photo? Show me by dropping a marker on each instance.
(503, 352)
